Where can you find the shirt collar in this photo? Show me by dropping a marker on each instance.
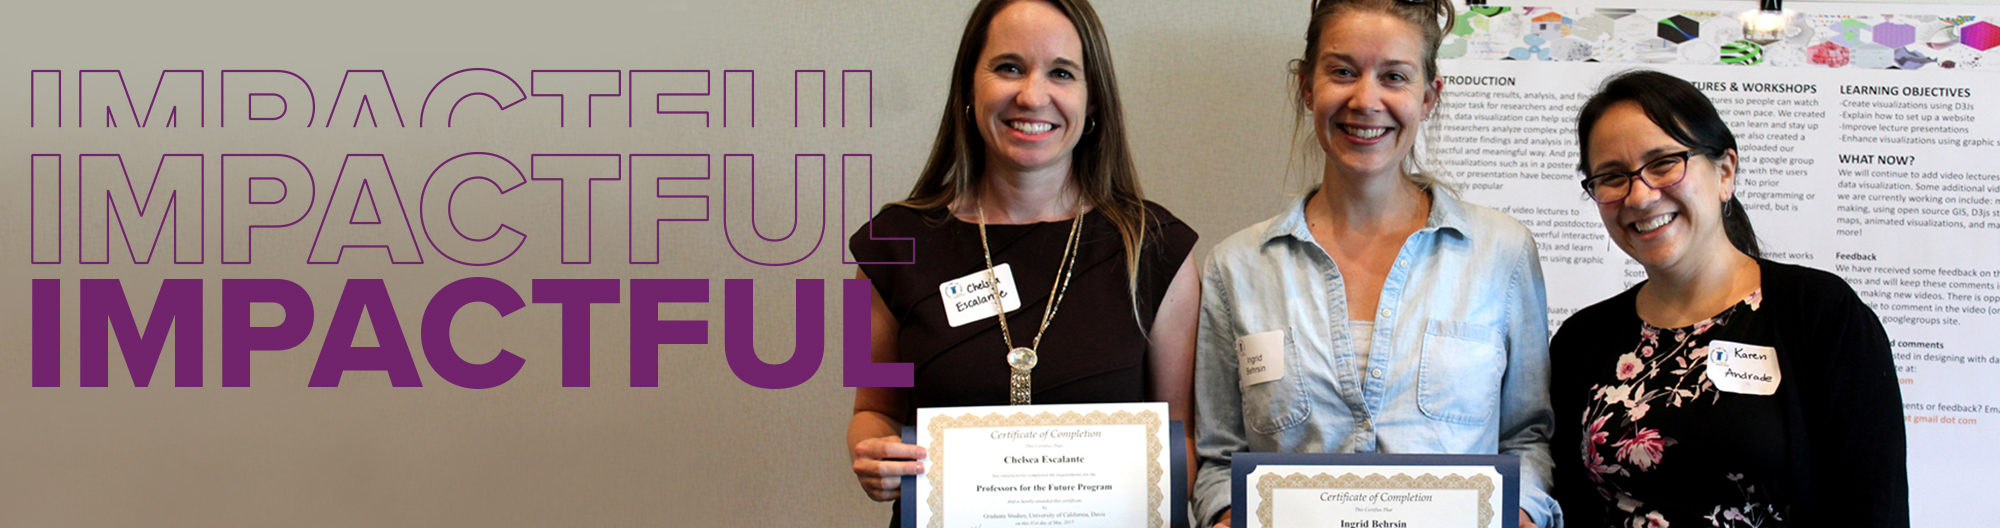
(1447, 213)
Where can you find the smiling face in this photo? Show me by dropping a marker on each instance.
(1367, 93)
(1029, 97)
(1675, 227)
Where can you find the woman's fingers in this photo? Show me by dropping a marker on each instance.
(883, 480)
(886, 469)
(888, 448)
(881, 463)
(883, 488)
(884, 496)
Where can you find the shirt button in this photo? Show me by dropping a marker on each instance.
(1364, 423)
(1385, 313)
(1376, 373)
(1404, 262)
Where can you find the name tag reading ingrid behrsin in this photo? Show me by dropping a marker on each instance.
(1260, 357)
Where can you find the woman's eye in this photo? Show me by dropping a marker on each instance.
(1007, 68)
(1062, 74)
(1397, 77)
(1341, 72)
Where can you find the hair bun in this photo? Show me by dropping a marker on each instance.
(1438, 8)
(1433, 4)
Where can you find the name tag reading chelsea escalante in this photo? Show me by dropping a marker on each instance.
(970, 298)
(1107, 465)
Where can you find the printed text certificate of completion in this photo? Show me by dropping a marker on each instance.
(1375, 496)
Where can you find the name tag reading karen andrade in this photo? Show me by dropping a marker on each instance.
(1045, 465)
(1744, 369)
(1293, 490)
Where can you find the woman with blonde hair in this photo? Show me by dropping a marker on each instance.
(1392, 317)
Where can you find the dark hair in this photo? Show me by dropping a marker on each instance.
(1101, 168)
(1686, 115)
(1433, 18)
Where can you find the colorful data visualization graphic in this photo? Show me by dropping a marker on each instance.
(1634, 36)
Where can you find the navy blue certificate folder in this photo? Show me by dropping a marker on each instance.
(1243, 463)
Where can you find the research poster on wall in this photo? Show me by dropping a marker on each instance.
(1867, 139)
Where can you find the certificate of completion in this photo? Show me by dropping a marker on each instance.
(1375, 490)
(1045, 465)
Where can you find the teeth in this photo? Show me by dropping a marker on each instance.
(1364, 133)
(1031, 128)
(1649, 226)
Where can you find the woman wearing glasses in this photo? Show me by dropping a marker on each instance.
(1725, 390)
(1377, 313)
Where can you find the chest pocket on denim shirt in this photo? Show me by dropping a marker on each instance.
(1460, 371)
(1277, 405)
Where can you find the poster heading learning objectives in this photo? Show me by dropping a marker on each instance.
(101, 208)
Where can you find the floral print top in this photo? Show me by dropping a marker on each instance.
(1664, 447)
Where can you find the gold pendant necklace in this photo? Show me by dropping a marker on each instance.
(1022, 360)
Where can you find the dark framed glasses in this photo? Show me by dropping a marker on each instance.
(1663, 172)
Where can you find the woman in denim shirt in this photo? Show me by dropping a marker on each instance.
(1377, 313)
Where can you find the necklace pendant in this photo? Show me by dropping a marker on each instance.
(1019, 389)
(1022, 359)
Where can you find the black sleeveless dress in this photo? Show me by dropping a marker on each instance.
(1094, 350)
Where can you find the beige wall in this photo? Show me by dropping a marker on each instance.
(1202, 82)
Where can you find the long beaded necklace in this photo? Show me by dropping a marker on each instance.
(1022, 360)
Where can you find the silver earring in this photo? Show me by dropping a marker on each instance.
(1089, 125)
(1725, 209)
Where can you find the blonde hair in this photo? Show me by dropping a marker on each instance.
(1432, 18)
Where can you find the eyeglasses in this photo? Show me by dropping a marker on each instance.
(1663, 172)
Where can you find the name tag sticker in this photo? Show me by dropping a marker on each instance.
(1743, 369)
(970, 298)
(1260, 357)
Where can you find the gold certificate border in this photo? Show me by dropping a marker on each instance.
(1154, 471)
(1273, 481)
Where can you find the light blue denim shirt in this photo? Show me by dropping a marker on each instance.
(1459, 362)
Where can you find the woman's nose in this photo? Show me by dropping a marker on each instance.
(1638, 193)
(1367, 97)
(1034, 92)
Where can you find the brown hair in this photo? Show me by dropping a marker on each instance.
(1101, 168)
(1433, 18)
(1687, 116)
